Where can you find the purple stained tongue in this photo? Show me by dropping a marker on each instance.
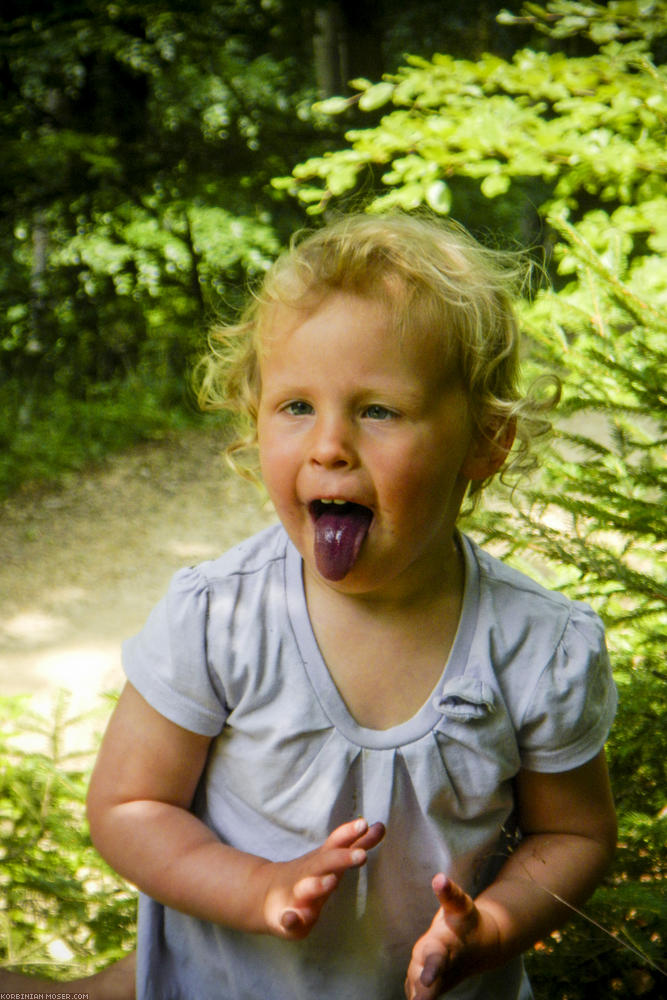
(339, 534)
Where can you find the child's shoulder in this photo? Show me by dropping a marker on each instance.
(514, 584)
(516, 605)
(251, 556)
(250, 565)
(548, 655)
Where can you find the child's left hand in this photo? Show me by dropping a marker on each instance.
(446, 953)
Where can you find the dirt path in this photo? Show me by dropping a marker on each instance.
(82, 566)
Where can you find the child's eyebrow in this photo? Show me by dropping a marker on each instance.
(398, 394)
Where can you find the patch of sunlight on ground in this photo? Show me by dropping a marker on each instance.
(34, 626)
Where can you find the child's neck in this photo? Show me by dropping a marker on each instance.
(385, 655)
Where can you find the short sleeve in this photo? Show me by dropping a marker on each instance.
(573, 703)
(167, 661)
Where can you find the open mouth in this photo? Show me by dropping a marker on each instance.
(341, 527)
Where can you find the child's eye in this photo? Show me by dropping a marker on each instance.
(298, 408)
(378, 412)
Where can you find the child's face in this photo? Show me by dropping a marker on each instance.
(348, 414)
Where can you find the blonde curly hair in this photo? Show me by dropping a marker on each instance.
(442, 288)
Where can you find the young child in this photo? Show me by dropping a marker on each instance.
(361, 659)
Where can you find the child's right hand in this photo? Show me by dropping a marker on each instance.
(297, 890)
(148, 784)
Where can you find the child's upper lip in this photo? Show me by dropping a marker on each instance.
(333, 500)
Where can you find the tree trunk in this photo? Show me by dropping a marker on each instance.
(347, 43)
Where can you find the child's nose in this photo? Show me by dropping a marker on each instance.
(332, 443)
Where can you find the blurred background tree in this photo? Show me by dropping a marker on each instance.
(138, 138)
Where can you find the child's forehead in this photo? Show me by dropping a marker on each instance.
(282, 318)
(401, 315)
(419, 341)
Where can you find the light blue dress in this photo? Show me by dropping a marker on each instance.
(230, 653)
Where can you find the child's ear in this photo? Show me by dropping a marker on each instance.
(488, 451)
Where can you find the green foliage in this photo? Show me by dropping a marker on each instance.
(615, 946)
(594, 522)
(595, 513)
(617, 20)
(590, 127)
(615, 950)
(62, 910)
(139, 139)
(62, 434)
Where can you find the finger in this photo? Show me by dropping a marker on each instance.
(434, 966)
(451, 896)
(372, 837)
(338, 861)
(297, 923)
(423, 982)
(310, 894)
(314, 888)
(291, 921)
(333, 862)
(346, 834)
(457, 908)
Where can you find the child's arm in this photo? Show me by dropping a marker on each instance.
(138, 808)
(569, 828)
